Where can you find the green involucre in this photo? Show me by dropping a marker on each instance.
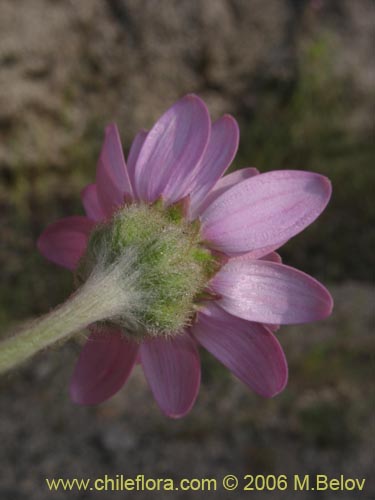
(169, 266)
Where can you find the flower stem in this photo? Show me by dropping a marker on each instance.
(96, 300)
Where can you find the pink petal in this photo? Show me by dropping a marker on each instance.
(250, 351)
(272, 327)
(265, 210)
(172, 150)
(172, 369)
(221, 150)
(112, 180)
(270, 293)
(265, 253)
(261, 253)
(135, 148)
(103, 367)
(272, 257)
(64, 242)
(90, 201)
(223, 185)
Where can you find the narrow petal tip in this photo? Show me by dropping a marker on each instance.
(172, 369)
(63, 242)
(104, 365)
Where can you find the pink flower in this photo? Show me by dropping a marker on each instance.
(244, 216)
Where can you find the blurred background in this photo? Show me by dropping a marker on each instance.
(298, 75)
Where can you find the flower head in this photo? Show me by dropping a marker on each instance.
(195, 255)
